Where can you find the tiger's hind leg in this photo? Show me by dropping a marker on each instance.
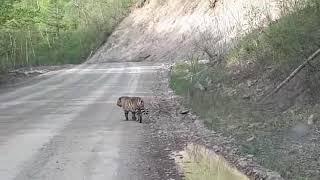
(140, 116)
(134, 116)
(126, 115)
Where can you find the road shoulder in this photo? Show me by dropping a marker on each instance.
(27, 76)
(173, 130)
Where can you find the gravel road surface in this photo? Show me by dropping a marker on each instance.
(67, 126)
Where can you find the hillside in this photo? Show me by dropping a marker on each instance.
(175, 29)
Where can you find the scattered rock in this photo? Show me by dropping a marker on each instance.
(273, 176)
(198, 123)
(231, 127)
(252, 125)
(311, 119)
(204, 61)
(242, 162)
(269, 68)
(198, 85)
(250, 156)
(259, 90)
(193, 117)
(184, 111)
(246, 97)
(250, 139)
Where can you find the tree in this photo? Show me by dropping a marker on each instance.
(54, 17)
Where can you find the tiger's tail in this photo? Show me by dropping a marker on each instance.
(140, 105)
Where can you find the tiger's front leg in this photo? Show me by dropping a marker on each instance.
(126, 115)
(134, 116)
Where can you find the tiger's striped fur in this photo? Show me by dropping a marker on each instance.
(135, 105)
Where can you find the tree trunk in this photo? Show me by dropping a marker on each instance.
(294, 73)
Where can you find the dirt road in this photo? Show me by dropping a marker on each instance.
(68, 127)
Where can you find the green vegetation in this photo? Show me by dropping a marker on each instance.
(285, 43)
(201, 164)
(280, 133)
(44, 32)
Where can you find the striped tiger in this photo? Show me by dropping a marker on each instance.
(133, 105)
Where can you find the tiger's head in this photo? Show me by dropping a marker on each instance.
(120, 100)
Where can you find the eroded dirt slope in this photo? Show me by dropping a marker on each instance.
(170, 30)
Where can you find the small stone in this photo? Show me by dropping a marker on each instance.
(311, 119)
(250, 156)
(247, 97)
(250, 139)
(243, 163)
(184, 112)
(204, 61)
(199, 86)
(231, 127)
(273, 176)
(252, 125)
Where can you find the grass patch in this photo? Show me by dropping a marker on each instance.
(201, 164)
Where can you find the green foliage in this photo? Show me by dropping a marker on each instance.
(285, 43)
(44, 32)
